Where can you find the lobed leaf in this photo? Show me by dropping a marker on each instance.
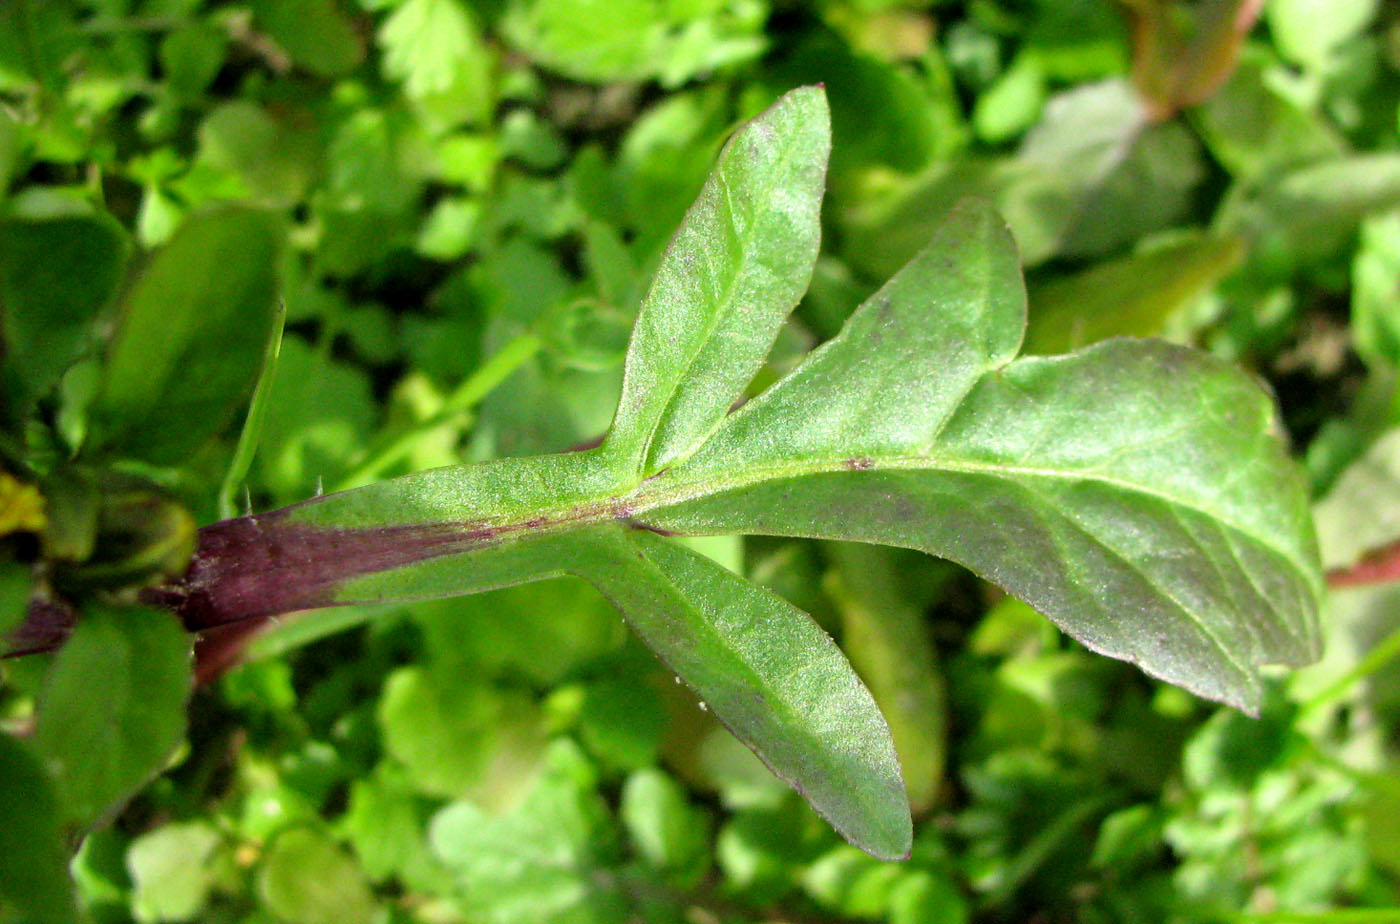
(1135, 492)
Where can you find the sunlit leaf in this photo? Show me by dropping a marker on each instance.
(545, 861)
(306, 878)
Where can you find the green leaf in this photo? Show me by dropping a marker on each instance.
(889, 645)
(607, 41)
(771, 676)
(621, 723)
(1136, 493)
(432, 46)
(922, 896)
(1254, 130)
(1308, 31)
(761, 666)
(172, 871)
(912, 429)
(1361, 514)
(56, 273)
(1012, 103)
(306, 878)
(517, 632)
(735, 269)
(112, 708)
(1375, 275)
(666, 830)
(319, 414)
(191, 57)
(1133, 296)
(34, 884)
(190, 341)
(271, 161)
(1093, 175)
(316, 33)
(12, 144)
(450, 229)
(386, 824)
(459, 737)
(551, 859)
(850, 883)
(1310, 213)
(16, 589)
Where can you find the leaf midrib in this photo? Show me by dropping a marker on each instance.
(674, 487)
(700, 488)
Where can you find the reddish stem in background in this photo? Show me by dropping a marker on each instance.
(1177, 65)
(1376, 568)
(221, 648)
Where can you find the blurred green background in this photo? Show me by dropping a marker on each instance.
(473, 196)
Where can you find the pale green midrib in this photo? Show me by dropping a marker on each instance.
(699, 489)
(754, 478)
(667, 490)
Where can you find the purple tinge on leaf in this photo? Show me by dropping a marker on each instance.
(259, 566)
(46, 626)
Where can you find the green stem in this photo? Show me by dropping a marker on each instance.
(252, 425)
(463, 398)
(1375, 659)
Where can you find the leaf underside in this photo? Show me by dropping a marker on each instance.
(1136, 493)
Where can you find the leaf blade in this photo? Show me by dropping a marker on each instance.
(863, 441)
(1228, 577)
(770, 675)
(102, 741)
(734, 270)
(878, 391)
(56, 273)
(189, 344)
(34, 860)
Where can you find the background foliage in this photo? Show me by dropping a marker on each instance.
(459, 204)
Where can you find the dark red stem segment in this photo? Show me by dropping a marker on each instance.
(260, 566)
